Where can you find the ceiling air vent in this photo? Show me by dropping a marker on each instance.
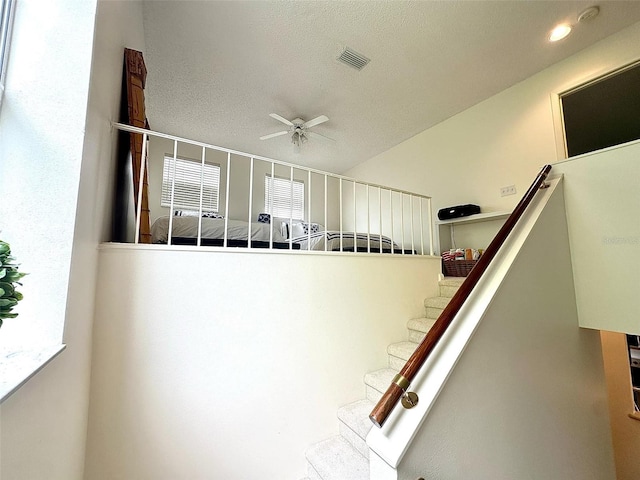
(353, 59)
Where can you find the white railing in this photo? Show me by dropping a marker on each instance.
(350, 215)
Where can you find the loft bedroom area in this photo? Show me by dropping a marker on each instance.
(185, 192)
(225, 197)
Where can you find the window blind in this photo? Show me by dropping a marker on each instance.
(278, 195)
(188, 174)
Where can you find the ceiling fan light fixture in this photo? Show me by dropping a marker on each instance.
(298, 138)
(298, 128)
(560, 32)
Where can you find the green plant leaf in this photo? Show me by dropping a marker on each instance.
(13, 275)
(7, 288)
(9, 276)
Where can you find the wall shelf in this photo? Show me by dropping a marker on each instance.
(445, 228)
(479, 217)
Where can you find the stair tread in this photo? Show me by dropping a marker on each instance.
(402, 350)
(421, 324)
(356, 416)
(452, 281)
(336, 459)
(436, 302)
(380, 379)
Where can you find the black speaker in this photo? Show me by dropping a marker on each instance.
(458, 211)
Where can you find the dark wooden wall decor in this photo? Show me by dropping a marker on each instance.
(135, 78)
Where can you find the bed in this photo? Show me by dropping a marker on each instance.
(184, 231)
(330, 241)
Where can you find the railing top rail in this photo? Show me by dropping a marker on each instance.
(401, 382)
(128, 128)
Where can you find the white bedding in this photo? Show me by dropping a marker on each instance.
(332, 241)
(212, 228)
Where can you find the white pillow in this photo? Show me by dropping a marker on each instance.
(282, 225)
(301, 229)
(297, 229)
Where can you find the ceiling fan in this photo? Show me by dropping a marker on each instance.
(298, 128)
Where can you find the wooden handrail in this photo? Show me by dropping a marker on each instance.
(400, 384)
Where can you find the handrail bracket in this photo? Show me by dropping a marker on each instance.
(409, 399)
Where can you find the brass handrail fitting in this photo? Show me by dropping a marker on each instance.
(409, 399)
(401, 381)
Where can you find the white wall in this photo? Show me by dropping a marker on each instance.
(231, 364)
(603, 205)
(57, 118)
(527, 398)
(501, 141)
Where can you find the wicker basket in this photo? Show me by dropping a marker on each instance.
(457, 268)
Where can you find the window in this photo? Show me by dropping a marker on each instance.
(603, 113)
(186, 193)
(6, 17)
(285, 200)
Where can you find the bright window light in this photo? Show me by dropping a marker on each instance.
(284, 198)
(191, 178)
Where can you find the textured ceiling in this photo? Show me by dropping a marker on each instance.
(217, 69)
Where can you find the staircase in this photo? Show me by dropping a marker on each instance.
(346, 456)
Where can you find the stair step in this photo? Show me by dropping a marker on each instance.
(418, 328)
(436, 302)
(434, 306)
(449, 286)
(377, 383)
(399, 353)
(336, 459)
(355, 424)
(448, 291)
(452, 281)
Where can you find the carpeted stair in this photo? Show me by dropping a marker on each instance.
(345, 456)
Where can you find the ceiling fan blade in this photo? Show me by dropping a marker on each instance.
(315, 121)
(277, 134)
(281, 119)
(317, 135)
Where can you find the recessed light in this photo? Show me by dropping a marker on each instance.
(560, 32)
